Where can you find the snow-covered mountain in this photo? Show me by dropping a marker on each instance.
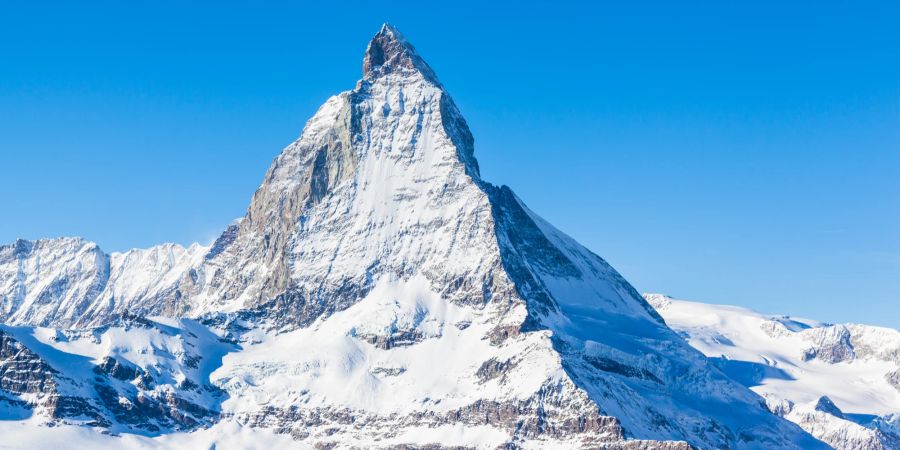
(71, 282)
(377, 293)
(841, 383)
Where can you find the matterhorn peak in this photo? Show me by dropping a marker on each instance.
(389, 52)
(378, 293)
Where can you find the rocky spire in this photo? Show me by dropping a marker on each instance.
(389, 52)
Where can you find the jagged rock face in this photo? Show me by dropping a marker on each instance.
(62, 377)
(31, 382)
(379, 288)
(536, 420)
(893, 378)
(837, 382)
(831, 427)
(830, 344)
(374, 186)
(50, 281)
(23, 372)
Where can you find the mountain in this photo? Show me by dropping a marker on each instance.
(839, 382)
(71, 282)
(377, 293)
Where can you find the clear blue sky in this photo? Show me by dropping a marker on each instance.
(732, 153)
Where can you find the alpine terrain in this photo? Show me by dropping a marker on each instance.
(841, 383)
(377, 294)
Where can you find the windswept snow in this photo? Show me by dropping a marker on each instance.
(835, 380)
(343, 361)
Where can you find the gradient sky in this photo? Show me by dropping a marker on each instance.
(744, 154)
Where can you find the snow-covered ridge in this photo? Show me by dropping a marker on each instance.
(837, 381)
(70, 281)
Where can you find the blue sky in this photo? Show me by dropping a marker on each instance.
(732, 153)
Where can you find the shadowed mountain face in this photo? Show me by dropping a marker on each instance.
(379, 289)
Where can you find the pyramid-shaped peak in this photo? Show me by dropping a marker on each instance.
(824, 404)
(389, 29)
(390, 53)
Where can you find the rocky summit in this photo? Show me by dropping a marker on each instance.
(377, 294)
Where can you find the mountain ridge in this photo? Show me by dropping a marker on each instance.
(837, 381)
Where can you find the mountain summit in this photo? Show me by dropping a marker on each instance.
(377, 292)
(389, 52)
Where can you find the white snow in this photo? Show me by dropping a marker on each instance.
(771, 355)
(328, 365)
(740, 334)
(25, 435)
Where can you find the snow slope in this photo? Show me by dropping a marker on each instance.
(135, 376)
(837, 381)
(69, 281)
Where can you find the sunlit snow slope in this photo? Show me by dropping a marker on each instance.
(839, 382)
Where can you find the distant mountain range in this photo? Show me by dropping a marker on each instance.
(840, 383)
